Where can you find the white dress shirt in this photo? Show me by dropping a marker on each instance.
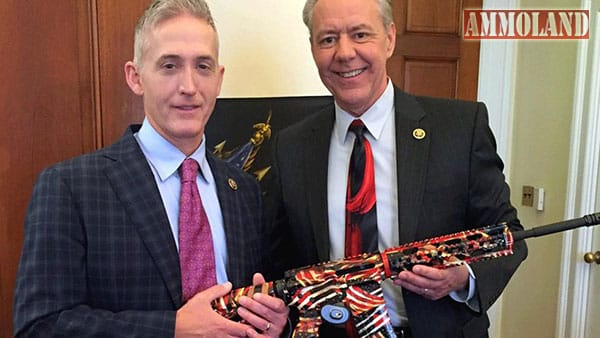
(379, 120)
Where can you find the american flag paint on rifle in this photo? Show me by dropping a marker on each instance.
(350, 288)
(338, 290)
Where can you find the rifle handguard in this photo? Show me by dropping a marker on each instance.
(355, 282)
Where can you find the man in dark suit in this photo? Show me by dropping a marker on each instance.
(436, 172)
(100, 256)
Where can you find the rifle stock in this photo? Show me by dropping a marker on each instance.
(350, 288)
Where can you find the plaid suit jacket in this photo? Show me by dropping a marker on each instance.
(449, 181)
(99, 258)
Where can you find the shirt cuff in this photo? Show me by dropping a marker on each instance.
(465, 295)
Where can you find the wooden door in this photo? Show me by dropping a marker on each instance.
(46, 111)
(116, 21)
(431, 58)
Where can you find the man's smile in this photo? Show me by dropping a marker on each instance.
(351, 73)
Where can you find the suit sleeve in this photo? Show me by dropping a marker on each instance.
(489, 203)
(52, 298)
(281, 249)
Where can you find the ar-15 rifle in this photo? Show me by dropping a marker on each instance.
(351, 287)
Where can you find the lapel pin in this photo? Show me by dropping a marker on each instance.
(419, 134)
(232, 184)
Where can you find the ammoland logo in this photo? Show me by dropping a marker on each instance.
(526, 24)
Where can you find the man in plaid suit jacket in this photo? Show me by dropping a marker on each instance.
(100, 256)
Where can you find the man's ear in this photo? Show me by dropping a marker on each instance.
(391, 37)
(220, 75)
(132, 76)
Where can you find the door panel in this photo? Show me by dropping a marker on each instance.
(433, 16)
(436, 78)
(431, 58)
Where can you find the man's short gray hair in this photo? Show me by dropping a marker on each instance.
(385, 10)
(161, 10)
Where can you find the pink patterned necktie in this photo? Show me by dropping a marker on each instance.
(196, 254)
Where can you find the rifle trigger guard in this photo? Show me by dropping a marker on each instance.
(334, 314)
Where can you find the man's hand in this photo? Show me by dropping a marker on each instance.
(433, 283)
(197, 319)
(268, 315)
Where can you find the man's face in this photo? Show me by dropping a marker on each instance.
(179, 78)
(350, 46)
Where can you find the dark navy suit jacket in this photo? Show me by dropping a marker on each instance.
(449, 181)
(99, 258)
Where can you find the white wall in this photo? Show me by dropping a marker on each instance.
(265, 49)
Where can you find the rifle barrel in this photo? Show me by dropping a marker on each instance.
(587, 220)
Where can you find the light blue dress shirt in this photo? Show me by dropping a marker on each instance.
(164, 159)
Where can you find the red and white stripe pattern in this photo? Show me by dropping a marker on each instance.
(375, 324)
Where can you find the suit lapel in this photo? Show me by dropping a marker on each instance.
(219, 171)
(412, 153)
(133, 182)
(315, 160)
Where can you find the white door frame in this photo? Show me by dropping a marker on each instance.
(583, 184)
(497, 72)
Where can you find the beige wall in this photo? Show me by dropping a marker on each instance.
(265, 49)
(540, 153)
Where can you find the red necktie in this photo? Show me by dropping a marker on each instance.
(361, 214)
(196, 254)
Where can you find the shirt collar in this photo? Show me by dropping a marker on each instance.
(374, 118)
(164, 156)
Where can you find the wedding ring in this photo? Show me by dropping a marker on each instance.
(425, 290)
(268, 326)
